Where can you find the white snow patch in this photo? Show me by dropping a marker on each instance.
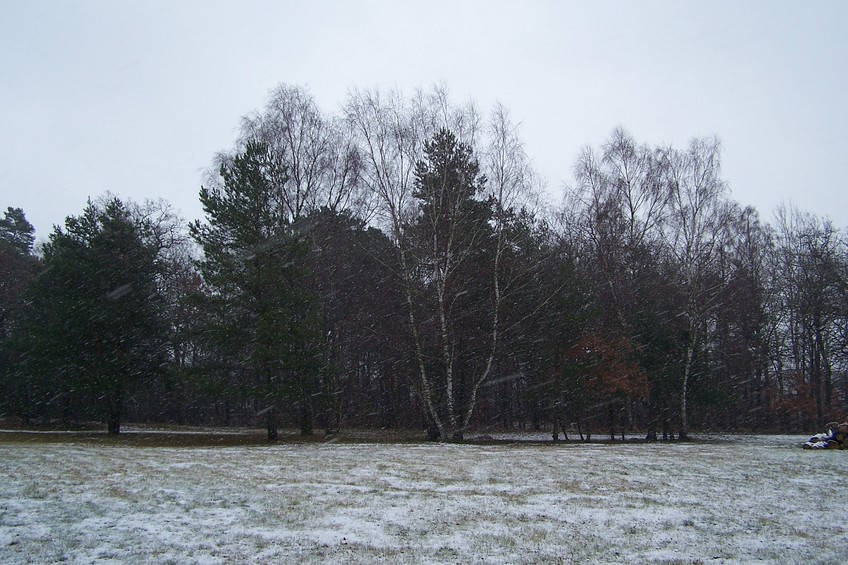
(752, 499)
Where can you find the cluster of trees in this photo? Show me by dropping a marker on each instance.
(394, 266)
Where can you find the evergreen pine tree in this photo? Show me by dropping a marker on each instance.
(265, 316)
(93, 326)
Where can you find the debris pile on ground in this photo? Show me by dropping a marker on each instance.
(836, 437)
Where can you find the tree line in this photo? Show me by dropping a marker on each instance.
(394, 265)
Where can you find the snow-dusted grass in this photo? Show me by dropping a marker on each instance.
(753, 499)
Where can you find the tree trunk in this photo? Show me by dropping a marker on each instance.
(306, 427)
(114, 421)
(115, 404)
(271, 422)
(653, 416)
(433, 432)
(684, 413)
(687, 373)
(611, 415)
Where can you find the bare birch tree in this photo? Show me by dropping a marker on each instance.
(622, 204)
(444, 222)
(318, 151)
(699, 226)
(810, 284)
(625, 205)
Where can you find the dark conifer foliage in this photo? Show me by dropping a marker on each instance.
(394, 267)
(16, 233)
(18, 266)
(92, 330)
(354, 274)
(263, 313)
(450, 240)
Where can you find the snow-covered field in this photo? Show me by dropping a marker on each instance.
(755, 499)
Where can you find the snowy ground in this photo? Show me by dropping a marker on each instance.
(756, 499)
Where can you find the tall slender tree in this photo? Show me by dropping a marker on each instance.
(253, 261)
(18, 266)
(451, 239)
(698, 230)
(810, 289)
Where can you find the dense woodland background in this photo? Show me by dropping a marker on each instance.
(395, 265)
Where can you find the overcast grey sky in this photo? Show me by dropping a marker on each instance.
(136, 97)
